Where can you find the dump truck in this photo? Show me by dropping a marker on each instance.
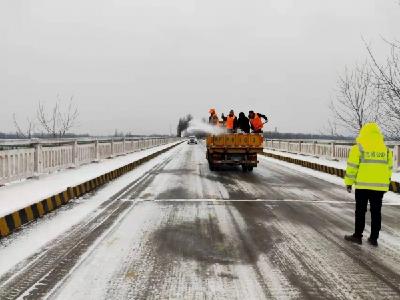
(234, 149)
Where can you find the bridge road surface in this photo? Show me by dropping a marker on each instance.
(184, 232)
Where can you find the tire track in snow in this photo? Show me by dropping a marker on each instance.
(324, 260)
(242, 250)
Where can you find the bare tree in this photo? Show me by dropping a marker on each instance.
(59, 121)
(29, 129)
(330, 129)
(357, 101)
(387, 77)
(183, 124)
(68, 118)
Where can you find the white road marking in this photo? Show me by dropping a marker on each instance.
(251, 200)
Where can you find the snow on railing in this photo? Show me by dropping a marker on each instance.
(86, 153)
(105, 150)
(38, 158)
(16, 164)
(335, 150)
(55, 158)
(118, 148)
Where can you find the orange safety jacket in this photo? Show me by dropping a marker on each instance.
(256, 122)
(230, 122)
(214, 120)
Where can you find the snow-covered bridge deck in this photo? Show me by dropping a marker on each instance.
(173, 229)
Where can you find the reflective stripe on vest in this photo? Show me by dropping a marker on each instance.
(371, 184)
(354, 166)
(230, 121)
(372, 161)
(363, 160)
(351, 176)
(256, 122)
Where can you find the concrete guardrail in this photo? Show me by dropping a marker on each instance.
(335, 150)
(45, 157)
(17, 219)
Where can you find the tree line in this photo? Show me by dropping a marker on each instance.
(183, 124)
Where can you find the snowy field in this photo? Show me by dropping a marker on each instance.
(172, 229)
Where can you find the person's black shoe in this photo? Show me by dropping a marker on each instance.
(353, 239)
(373, 242)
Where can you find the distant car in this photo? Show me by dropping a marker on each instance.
(192, 140)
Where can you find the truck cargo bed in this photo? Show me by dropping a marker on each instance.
(234, 149)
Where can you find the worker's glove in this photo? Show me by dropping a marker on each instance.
(349, 187)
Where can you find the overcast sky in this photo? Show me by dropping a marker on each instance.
(138, 65)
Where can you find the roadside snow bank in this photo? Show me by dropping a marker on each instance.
(22, 194)
(322, 161)
(390, 198)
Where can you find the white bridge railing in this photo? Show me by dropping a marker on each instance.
(39, 158)
(334, 150)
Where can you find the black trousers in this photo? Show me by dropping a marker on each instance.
(375, 199)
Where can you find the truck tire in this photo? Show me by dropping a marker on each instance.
(250, 168)
(211, 166)
(244, 168)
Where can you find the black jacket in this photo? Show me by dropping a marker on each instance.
(243, 123)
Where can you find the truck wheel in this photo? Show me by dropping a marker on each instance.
(211, 166)
(244, 168)
(250, 168)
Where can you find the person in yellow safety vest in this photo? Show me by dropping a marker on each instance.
(256, 122)
(213, 118)
(230, 121)
(369, 169)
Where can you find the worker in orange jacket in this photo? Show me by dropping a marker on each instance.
(230, 121)
(256, 122)
(213, 118)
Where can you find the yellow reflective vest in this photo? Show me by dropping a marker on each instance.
(369, 169)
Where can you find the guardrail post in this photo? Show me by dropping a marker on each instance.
(123, 146)
(112, 147)
(96, 151)
(396, 157)
(333, 150)
(38, 159)
(75, 153)
(300, 142)
(314, 148)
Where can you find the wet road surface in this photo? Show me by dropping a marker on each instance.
(184, 232)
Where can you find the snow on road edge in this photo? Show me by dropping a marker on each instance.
(389, 198)
(23, 194)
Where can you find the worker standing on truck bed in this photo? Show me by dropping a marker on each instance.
(243, 123)
(213, 118)
(369, 168)
(256, 122)
(230, 121)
